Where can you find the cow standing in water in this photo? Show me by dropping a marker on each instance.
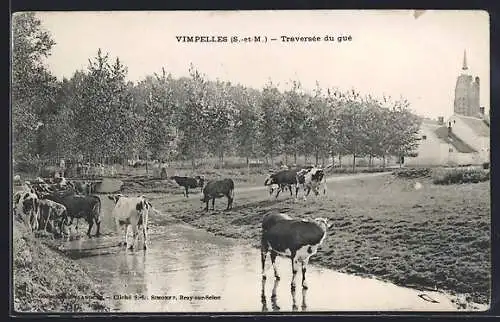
(133, 212)
(297, 239)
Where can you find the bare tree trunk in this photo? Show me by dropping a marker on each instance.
(193, 162)
(295, 156)
(353, 162)
(316, 155)
(383, 162)
(322, 160)
(340, 160)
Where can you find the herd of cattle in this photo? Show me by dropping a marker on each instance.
(53, 205)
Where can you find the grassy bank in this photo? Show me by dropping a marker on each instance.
(46, 281)
(432, 237)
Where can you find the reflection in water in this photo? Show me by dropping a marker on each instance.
(184, 261)
(274, 297)
(131, 267)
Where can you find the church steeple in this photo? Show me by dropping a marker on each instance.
(464, 66)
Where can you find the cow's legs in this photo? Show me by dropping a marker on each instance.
(291, 193)
(98, 225)
(294, 270)
(47, 221)
(90, 221)
(307, 190)
(264, 248)
(273, 261)
(145, 235)
(126, 236)
(229, 202)
(118, 229)
(206, 207)
(278, 192)
(187, 192)
(213, 203)
(304, 268)
(135, 235)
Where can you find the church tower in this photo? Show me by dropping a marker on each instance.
(466, 93)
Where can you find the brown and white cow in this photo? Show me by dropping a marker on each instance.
(297, 239)
(131, 212)
(53, 213)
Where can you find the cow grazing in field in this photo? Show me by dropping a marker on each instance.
(280, 180)
(26, 207)
(52, 213)
(311, 179)
(218, 189)
(297, 239)
(188, 182)
(78, 206)
(133, 212)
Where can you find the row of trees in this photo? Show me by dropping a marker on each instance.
(100, 114)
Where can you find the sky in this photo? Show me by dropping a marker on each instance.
(391, 52)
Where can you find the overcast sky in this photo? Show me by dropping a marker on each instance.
(391, 52)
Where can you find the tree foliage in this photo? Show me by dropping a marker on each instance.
(99, 114)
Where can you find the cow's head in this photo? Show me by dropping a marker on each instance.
(323, 223)
(270, 180)
(200, 181)
(115, 198)
(29, 202)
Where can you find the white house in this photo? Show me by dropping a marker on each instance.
(441, 145)
(474, 131)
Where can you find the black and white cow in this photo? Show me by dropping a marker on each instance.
(131, 212)
(280, 180)
(297, 239)
(311, 179)
(218, 189)
(189, 182)
(79, 206)
(26, 207)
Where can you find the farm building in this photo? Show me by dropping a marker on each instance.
(464, 138)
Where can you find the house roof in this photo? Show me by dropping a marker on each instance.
(451, 138)
(479, 126)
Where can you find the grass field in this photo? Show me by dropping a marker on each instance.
(433, 237)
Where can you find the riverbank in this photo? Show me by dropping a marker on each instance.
(435, 237)
(47, 281)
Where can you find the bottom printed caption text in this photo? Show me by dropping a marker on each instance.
(140, 297)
